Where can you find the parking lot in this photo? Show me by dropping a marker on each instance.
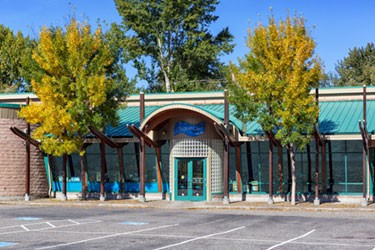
(67, 227)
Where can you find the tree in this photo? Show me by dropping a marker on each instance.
(358, 68)
(170, 45)
(79, 82)
(273, 81)
(15, 54)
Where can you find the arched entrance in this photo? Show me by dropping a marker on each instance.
(195, 152)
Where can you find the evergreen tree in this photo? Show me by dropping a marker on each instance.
(15, 57)
(170, 45)
(358, 68)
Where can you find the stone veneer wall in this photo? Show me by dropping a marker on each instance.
(13, 161)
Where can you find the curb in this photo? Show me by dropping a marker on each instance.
(196, 206)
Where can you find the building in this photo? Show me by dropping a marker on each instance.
(190, 146)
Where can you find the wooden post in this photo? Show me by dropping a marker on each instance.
(27, 167)
(289, 171)
(63, 175)
(238, 168)
(158, 162)
(121, 169)
(226, 171)
(142, 152)
(324, 171)
(316, 201)
(83, 176)
(364, 165)
(226, 150)
(270, 168)
(141, 107)
(331, 180)
(102, 171)
(309, 179)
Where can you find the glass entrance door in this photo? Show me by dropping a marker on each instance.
(190, 179)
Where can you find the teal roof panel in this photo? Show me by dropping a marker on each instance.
(341, 117)
(338, 117)
(128, 115)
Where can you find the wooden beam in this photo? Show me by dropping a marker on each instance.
(25, 137)
(139, 134)
(104, 138)
(223, 132)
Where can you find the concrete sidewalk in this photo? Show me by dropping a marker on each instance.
(165, 204)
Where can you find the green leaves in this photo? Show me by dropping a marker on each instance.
(15, 55)
(357, 68)
(170, 45)
(272, 84)
(80, 83)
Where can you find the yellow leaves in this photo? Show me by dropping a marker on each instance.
(97, 90)
(75, 82)
(279, 71)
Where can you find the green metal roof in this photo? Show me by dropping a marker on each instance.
(341, 117)
(335, 118)
(338, 117)
(130, 115)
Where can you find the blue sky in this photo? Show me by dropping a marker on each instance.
(336, 25)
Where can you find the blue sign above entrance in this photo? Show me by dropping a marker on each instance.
(186, 128)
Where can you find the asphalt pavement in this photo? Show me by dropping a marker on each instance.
(130, 224)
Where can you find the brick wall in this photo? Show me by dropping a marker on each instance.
(13, 161)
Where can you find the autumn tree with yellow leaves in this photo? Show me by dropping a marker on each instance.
(272, 83)
(80, 82)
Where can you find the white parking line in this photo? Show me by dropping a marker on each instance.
(106, 236)
(198, 238)
(288, 241)
(50, 224)
(26, 228)
(73, 221)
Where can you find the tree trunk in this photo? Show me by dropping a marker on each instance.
(280, 155)
(293, 170)
(164, 68)
(83, 176)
